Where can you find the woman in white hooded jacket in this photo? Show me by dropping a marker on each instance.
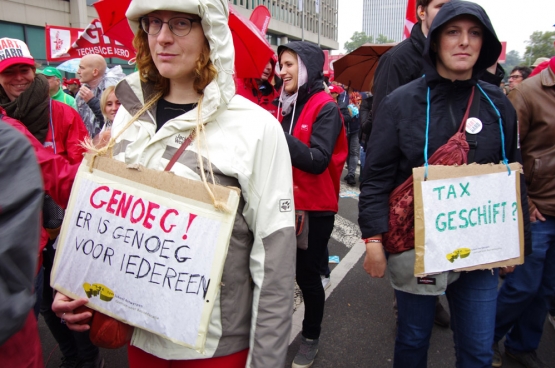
(184, 89)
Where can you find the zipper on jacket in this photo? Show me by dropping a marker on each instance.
(450, 107)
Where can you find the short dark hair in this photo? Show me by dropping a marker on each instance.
(523, 70)
(424, 4)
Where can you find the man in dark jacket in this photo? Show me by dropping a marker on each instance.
(403, 64)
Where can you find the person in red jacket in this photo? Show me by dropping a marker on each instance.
(317, 143)
(260, 91)
(24, 95)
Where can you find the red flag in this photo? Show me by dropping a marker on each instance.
(260, 16)
(410, 18)
(64, 43)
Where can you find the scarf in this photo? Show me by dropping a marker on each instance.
(288, 101)
(31, 107)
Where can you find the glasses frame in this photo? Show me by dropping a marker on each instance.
(515, 76)
(192, 20)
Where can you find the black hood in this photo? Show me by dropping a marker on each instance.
(491, 47)
(313, 58)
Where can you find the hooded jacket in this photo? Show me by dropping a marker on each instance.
(247, 150)
(327, 129)
(263, 95)
(20, 207)
(398, 140)
(404, 63)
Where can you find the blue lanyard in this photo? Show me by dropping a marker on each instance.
(505, 161)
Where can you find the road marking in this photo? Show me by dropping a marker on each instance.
(337, 275)
(348, 191)
(345, 232)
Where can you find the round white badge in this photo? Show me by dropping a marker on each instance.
(473, 125)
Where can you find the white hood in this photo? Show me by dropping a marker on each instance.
(214, 15)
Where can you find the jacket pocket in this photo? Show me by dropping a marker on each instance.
(542, 173)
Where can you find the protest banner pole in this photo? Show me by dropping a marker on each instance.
(319, 20)
(301, 8)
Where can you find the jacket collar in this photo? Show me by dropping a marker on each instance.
(547, 77)
(417, 38)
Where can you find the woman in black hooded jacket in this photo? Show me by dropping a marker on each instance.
(461, 46)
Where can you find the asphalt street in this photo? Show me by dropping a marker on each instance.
(359, 327)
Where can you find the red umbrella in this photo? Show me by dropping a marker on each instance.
(114, 22)
(252, 50)
(357, 67)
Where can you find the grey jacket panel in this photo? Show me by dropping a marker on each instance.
(20, 206)
(280, 250)
(236, 290)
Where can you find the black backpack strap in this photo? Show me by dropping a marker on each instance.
(471, 138)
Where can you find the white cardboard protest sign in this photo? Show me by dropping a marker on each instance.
(467, 219)
(146, 247)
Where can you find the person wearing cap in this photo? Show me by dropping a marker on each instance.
(54, 78)
(24, 95)
(184, 88)
(72, 86)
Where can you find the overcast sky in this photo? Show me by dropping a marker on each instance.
(513, 20)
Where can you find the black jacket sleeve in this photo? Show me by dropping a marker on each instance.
(379, 173)
(325, 130)
(20, 206)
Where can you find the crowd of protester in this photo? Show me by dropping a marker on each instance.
(294, 132)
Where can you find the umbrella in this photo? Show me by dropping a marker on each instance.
(357, 67)
(252, 50)
(70, 66)
(113, 20)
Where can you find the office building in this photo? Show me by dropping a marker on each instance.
(384, 17)
(287, 25)
(26, 19)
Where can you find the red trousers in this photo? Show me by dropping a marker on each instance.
(141, 359)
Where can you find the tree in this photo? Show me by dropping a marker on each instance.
(512, 59)
(357, 39)
(383, 39)
(360, 38)
(540, 44)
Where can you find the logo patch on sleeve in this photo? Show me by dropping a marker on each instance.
(426, 280)
(285, 205)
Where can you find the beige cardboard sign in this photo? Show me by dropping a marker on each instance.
(145, 247)
(467, 217)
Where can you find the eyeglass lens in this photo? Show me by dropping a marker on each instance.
(178, 26)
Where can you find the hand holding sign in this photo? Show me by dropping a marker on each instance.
(127, 245)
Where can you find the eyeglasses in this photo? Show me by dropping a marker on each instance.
(515, 76)
(179, 26)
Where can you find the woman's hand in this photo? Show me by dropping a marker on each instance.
(65, 308)
(374, 261)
